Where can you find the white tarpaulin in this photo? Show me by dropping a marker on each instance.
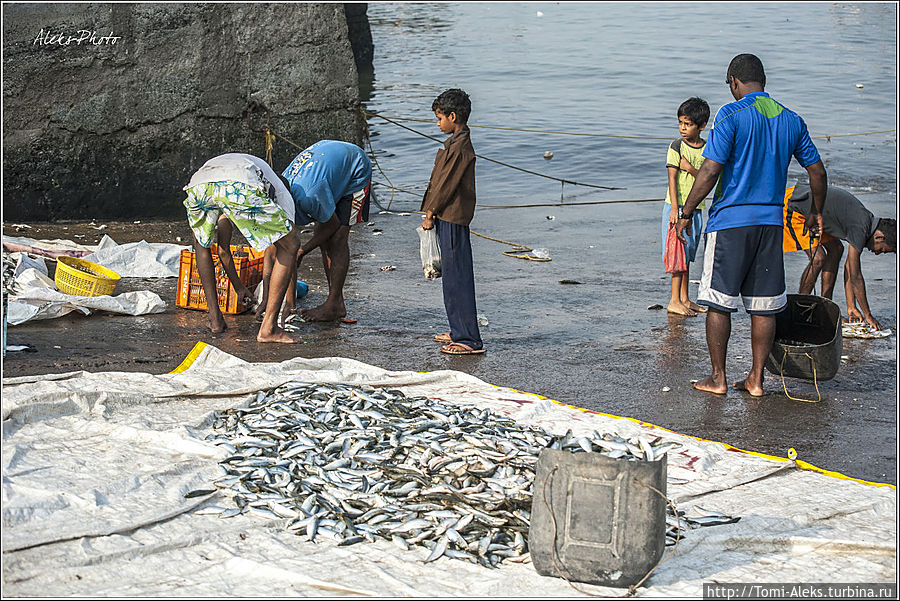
(35, 296)
(138, 259)
(132, 260)
(95, 466)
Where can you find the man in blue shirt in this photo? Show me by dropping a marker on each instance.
(748, 152)
(330, 182)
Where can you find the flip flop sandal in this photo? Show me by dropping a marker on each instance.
(443, 338)
(457, 348)
(347, 320)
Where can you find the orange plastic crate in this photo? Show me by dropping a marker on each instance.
(249, 266)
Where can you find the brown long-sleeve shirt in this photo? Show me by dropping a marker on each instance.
(450, 195)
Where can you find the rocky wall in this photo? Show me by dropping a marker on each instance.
(109, 108)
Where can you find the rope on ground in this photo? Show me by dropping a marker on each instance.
(596, 135)
(519, 251)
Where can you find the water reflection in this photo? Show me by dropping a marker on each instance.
(671, 345)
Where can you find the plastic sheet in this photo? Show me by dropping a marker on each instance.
(36, 297)
(96, 466)
(139, 259)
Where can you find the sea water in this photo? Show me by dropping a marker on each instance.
(622, 69)
(616, 73)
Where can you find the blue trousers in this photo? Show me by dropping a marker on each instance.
(458, 280)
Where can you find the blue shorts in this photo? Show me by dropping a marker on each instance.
(744, 262)
(693, 239)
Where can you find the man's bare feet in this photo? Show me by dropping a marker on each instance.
(711, 385)
(753, 389)
(679, 309)
(277, 335)
(695, 307)
(217, 324)
(324, 312)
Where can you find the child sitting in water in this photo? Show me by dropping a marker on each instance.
(683, 162)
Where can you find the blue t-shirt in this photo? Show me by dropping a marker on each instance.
(324, 173)
(754, 139)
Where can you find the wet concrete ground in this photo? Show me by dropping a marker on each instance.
(594, 345)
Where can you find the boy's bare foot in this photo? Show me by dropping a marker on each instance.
(753, 389)
(695, 307)
(324, 312)
(277, 335)
(679, 309)
(710, 385)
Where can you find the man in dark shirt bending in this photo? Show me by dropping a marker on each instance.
(844, 218)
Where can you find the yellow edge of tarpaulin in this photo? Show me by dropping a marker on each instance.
(198, 348)
(801, 464)
(191, 357)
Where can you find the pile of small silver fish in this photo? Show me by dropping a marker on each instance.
(356, 463)
(863, 330)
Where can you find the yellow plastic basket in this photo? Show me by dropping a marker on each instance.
(83, 278)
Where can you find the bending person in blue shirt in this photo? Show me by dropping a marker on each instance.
(331, 183)
(748, 152)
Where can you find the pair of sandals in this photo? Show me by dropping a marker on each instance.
(455, 348)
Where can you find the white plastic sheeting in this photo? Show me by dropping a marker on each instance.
(132, 260)
(95, 466)
(138, 259)
(35, 296)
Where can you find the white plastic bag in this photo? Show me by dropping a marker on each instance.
(430, 251)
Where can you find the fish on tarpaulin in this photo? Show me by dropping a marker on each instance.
(356, 463)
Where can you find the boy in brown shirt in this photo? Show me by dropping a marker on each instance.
(449, 205)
